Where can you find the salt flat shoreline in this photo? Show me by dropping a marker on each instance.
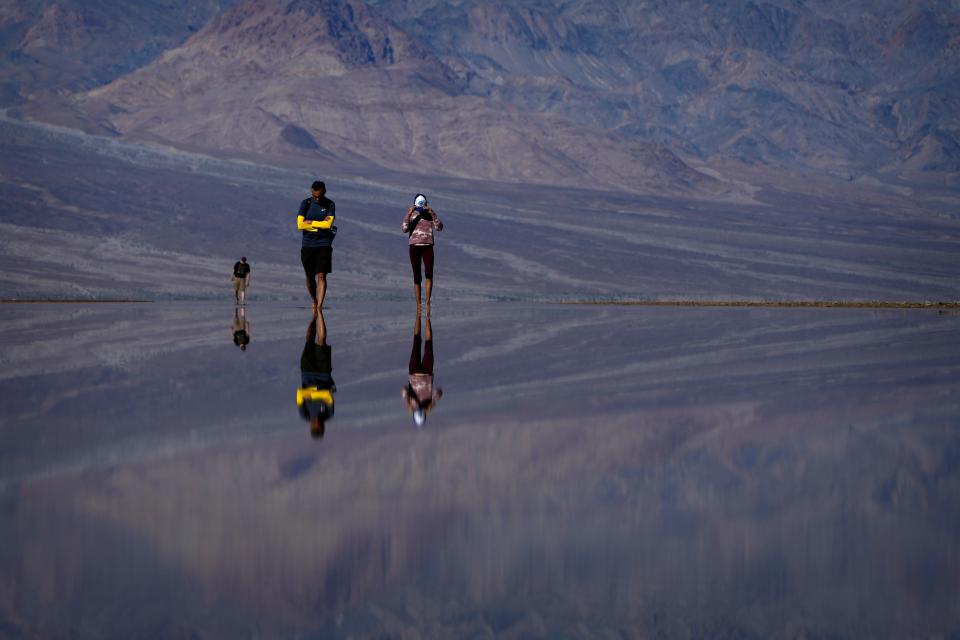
(46, 301)
(807, 304)
(873, 304)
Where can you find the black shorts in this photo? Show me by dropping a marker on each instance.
(316, 260)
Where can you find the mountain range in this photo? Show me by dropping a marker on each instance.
(658, 97)
(49, 48)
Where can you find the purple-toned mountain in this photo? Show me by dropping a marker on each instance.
(847, 88)
(50, 46)
(614, 93)
(334, 80)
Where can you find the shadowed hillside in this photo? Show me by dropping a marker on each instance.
(52, 46)
(332, 80)
(630, 96)
(136, 221)
(851, 88)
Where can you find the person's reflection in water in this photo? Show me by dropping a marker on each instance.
(315, 395)
(420, 396)
(241, 328)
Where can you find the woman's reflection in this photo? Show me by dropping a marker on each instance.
(241, 328)
(315, 395)
(419, 396)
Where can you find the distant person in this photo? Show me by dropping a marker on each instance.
(241, 328)
(420, 396)
(315, 219)
(315, 395)
(419, 223)
(241, 280)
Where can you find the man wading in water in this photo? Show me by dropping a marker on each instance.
(315, 219)
(241, 280)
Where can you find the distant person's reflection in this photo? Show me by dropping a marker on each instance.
(241, 328)
(315, 395)
(420, 396)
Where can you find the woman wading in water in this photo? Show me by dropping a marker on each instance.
(418, 224)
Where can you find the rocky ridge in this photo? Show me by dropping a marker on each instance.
(656, 96)
(848, 89)
(330, 79)
(52, 47)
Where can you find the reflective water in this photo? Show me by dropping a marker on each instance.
(579, 472)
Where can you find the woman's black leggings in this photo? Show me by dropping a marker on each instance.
(420, 252)
(421, 364)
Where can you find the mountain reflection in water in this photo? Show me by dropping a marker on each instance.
(599, 472)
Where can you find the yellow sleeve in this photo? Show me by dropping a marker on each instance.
(303, 226)
(326, 223)
(312, 393)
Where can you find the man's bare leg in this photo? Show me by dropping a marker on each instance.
(429, 291)
(312, 289)
(416, 295)
(321, 289)
(321, 337)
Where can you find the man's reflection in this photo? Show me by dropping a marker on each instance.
(315, 395)
(241, 328)
(420, 396)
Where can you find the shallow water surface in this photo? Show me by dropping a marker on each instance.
(581, 472)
